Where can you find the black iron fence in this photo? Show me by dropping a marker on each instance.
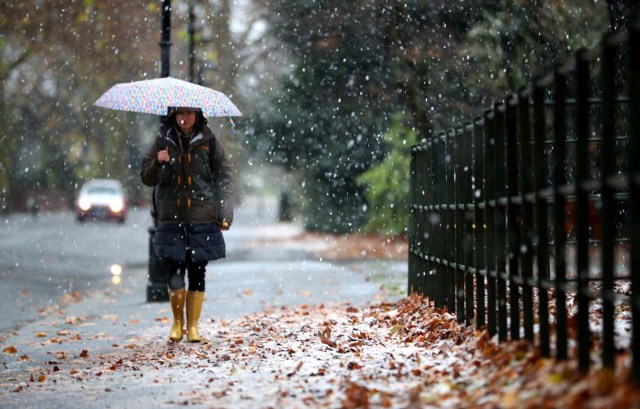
(527, 221)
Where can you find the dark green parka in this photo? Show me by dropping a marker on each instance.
(194, 187)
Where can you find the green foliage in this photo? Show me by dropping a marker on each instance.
(387, 184)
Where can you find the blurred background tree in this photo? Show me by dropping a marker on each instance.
(57, 56)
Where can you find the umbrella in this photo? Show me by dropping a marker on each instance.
(155, 96)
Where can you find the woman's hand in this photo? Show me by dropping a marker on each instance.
(163, 156)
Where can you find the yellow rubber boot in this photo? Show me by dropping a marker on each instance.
(194, 308)
(177, 298)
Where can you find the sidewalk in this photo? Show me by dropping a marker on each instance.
(109, 349)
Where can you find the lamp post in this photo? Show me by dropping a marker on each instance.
(165, 38)
(158, 269)
(192, 51)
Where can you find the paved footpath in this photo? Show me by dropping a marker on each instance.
(263, 270)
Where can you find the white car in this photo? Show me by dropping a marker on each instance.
(101, 199)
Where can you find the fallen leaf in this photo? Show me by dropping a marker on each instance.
(10, 350)
(357, 396)
(72, 320)
(397, 328)
(297, 368)
(325, 340)
(353, 365)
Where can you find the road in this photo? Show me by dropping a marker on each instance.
(45, 259)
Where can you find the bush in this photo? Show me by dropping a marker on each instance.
(387, 184)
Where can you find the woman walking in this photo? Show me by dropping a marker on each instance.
(193, 200)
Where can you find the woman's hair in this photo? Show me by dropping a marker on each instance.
(170, 119)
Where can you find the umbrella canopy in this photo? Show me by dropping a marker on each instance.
(155, 96)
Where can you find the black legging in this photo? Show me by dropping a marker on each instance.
(195, 270)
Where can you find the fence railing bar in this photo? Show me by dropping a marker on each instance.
(571, 141)
(479, 219)
(550, 283)
(466, 152)
(607, 213)
(592, 101)
(542, 251)
(592, 241)
(560, 180)
(500, 222)
(526, 201)
(582, 217)
(416, 260)
(450, 232)
(531, 198)
(513, 212)
(435, 219)
(488, 141)
(634, 206)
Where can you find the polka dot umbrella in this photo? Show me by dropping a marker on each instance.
(155, 96)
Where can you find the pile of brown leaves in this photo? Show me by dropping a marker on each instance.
(404, 354)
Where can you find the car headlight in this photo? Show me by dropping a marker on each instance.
(84, 203)
(116, 205)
